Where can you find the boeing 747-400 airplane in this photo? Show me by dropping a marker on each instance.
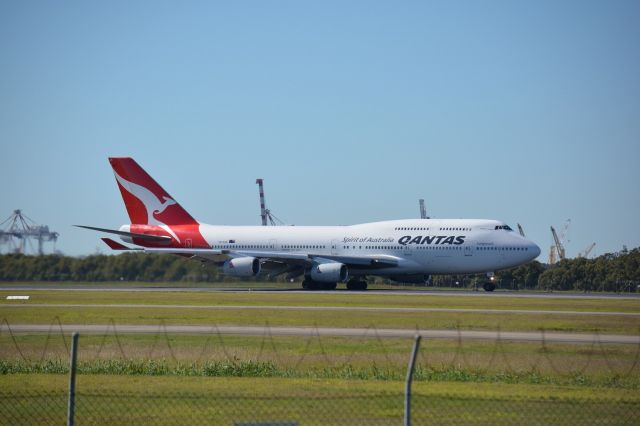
(408, 250)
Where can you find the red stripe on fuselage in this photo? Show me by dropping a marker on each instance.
(189, 235)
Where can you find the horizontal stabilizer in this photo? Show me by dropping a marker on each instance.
(129, 234)
(114, 245)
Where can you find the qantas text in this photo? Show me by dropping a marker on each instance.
(432, 239)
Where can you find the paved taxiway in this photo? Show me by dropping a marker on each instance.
(535, 336)
(22, 304)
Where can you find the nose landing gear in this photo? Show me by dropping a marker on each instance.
(490, 284)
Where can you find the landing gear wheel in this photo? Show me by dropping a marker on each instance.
(328, 286)
(357, 285)
(489, 286)
(308, 284)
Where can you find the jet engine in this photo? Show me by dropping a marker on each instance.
(329, 272)
(242, 267)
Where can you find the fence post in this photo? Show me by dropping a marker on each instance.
(407, 385)
(72, 379)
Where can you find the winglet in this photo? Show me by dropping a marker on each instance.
(114, 245)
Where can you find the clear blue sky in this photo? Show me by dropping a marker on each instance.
(526, 112)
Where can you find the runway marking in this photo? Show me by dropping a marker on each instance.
(322, 308)
(534, 336)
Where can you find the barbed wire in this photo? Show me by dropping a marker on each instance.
(306, 351)
(459, 347)
(314, 345)
(582, 370)
(64, 339)
(498, 348)
(205, 346)
(112, 325)
(13, 339)
(545, 352)
(378, 340)
(265, 334)
(612, 370)
(222, 345)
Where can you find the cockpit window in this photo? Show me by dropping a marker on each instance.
(505, 227)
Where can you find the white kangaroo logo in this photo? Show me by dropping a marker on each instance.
(152, 204)
(166, 203)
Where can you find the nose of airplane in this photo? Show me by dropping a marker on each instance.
(535, 250)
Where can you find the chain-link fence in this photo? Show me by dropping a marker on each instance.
(96, 407)
(170, 379)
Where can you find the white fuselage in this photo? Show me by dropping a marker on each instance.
(421, 246)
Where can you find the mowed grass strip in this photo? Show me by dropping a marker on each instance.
(117, 399)
(473, 361)
(344, 299)
(322, 318)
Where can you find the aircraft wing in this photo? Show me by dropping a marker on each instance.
(293, 259)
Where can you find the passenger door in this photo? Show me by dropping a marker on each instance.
(334, 246)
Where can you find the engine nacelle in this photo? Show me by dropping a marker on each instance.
(329, 272)
(411, 278)
(241, 267)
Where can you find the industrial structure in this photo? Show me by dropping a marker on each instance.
(557, 251)
(423, 210)
(265, 213)
(586, 252)
(20, 230)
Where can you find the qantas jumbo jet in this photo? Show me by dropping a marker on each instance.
(408, 250)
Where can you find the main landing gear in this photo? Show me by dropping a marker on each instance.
(353, 284)
(309, 284)
(356, 284)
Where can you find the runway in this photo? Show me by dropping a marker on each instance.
(535, 336)
(386, 292)
(318, 308)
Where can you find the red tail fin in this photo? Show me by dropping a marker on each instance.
(147, 203)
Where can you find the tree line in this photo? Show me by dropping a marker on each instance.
(618, 271)
(613, 272)
(99, 267)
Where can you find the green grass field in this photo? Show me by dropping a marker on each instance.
(171, 400)
(428, 300)
(329, 357)
(269, 311)
(140, 378)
